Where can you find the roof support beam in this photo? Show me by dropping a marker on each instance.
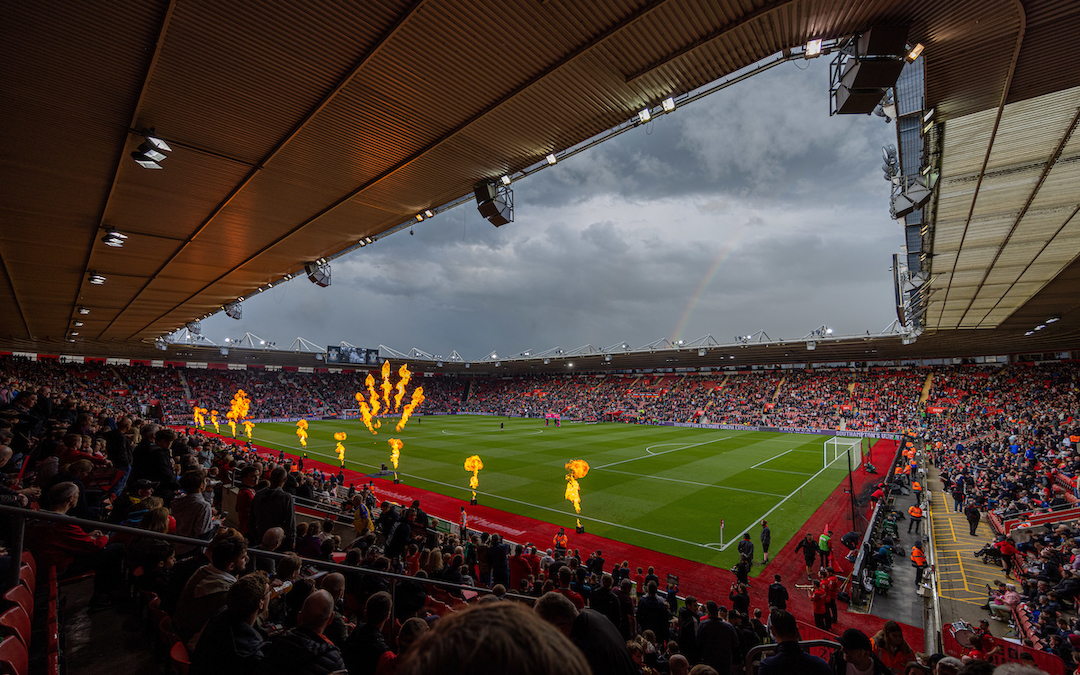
(623, 23)
(1018, 5)
(1020, 216)
(383, 40)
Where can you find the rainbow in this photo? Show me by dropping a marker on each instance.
(695, 297)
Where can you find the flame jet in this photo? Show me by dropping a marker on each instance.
(474, 464)
(365, 412)
(213, 420)
(248, 426)
(395, 453)
(387, 387)
(403, 381)
(575, 470)
(407, 411)
(340, 449)
(301, 432)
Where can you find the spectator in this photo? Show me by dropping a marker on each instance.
(597, 638)
(249, 477)
(366, 645)
(153, 462)
(653, 614)
(717, 640)
(231, 645)
(206, 591)
(856, 650)
(73, 551)
(492, 638)
(891, 648)
(689, 619)
(790, 658)
(778, 594)
(273, 507)
(193, 513)
(304, 650)
(338, 630)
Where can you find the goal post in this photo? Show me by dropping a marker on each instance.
(843, 453)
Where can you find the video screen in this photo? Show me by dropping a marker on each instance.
(348, 355)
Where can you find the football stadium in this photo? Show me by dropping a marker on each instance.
(177, 498)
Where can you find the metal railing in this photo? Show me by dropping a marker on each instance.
(18, 517)
(752, 659)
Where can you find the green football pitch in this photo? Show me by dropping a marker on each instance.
(661, 488)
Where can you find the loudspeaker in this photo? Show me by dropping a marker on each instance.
(485, 192)
(871, 73)
(494, 204)
(318, 274)
(884, 41)
(856, 101)
(491, 207)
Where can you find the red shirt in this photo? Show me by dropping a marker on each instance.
(817, 597)
(575, 598)
(58, 543)
(243, 508)
(832, 588)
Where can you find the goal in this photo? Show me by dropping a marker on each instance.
(843, 453)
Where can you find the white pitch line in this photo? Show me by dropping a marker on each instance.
(772, 458)
(797, 473)
(523, 432)
(657, 454)
(778, 505)
(691, 482)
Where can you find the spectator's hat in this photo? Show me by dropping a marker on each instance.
(144, 484)
(853, 638)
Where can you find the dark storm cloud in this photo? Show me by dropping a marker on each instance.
(751, 209)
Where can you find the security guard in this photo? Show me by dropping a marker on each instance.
(560, 541)
(917, 489)
(916, 517)
(918, 560)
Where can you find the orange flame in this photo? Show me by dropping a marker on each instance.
(405, 376)
(248, 426)
(395, 452)
(373, 396)
(200, 421)
(365, 412)
(575, 469)
(386, 386)
(340, 449)
(301, 432)
(238, 409)
(474, 464)
(407, 411)
(213, 420)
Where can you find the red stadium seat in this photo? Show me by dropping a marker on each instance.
(17, 621)
(28, 559)
(14, 656)
(178, 656)
(20, 595)
(28, 578)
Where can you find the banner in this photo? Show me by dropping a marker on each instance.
(1010, 653)
(847, 433)
(935, 410)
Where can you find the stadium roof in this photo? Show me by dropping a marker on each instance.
(297, 130)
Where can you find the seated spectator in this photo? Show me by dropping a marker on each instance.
(271, 541)
(1002, 606)
(193, 513)
(498, 637)
(231, 644)
(410, 632)
(891, 647)
(304, 650)
(131, 501)
(205, 592)
(593, 633)
(73, 551)
(856, 651)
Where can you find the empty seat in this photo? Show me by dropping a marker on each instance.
(14, 656)
(17, 621)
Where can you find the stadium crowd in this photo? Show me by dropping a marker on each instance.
(74, 439)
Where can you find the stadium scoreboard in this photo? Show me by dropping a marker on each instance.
(354, 355)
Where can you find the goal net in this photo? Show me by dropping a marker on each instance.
(843, 453)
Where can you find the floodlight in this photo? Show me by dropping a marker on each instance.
(915, 52)
(114, 239)
(419, 217)
(669, 104)
(644, 115)
(569, 365)
(151, 151)
(157, 143)
(194, 327)
(224, 351)
(551, 159)
(78, 324)
(1029, 333)
(1040, 326)
(234, 310)
(468, 365)
(701, 351)
(438, 364)
(607, 357)
(813, 49)
(74, 332)
(811, 345)
(498, 363)
(226, 339)
(83, 310)
(547, 361)
(262, 342)
(1053, 319)
(96, 279)
(428, 213)
(928, 115)
(318, 272)
(505, 180)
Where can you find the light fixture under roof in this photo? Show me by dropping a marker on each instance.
(74, 333)
(114, 239)
(83, 310)
(1053, 319)
(96, 279)
(419, 217)
(234, 310)
(669, 104)
(151, 151)
(813, 49)
(915, 52)
(551, 159)
(78, 324)
(429, 213)
(644, 115)
(505, 180)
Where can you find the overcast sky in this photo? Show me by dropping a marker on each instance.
(748, 210)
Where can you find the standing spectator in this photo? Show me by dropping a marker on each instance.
(746, 547)
(957, 493)
(627, 620)
(118, 450)
(249, 477)
(597, 638)
(778, 594)
(365, 646)
(192, 512)
(766, 539)
(809, 549)
(971, 512)
(688, 627)
(716, 640)
(831, 584)
(519, 567)
(790, 658)
(273, 507)
(304, 650)
(653, 614)
(154, 462)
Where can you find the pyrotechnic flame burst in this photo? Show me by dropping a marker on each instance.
(474, 464)
(395, 453)
(213, 420)
(387, 387)
(575, 469)
(406, 413)
(238, 409)
(373, 396)
(248, 426)
(200, 421)
(340, 449)
(301, 432)
(365, 412)
(404, 376)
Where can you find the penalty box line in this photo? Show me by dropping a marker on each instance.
(765, 515)
(657, 454)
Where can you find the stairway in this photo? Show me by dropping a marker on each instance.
(184, 382)
(779, 386)
(927, 386)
